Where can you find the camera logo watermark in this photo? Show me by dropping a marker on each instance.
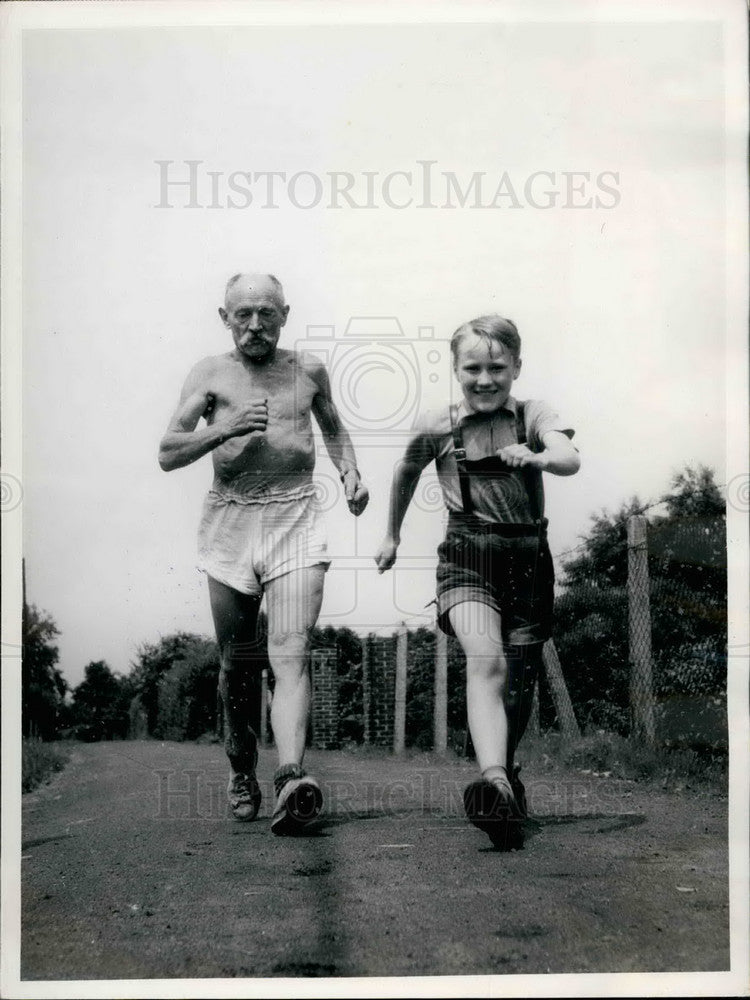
(378, 374)
(191, 184)
(11, 492)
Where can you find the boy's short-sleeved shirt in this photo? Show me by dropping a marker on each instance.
(501, 498)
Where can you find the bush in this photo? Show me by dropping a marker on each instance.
(39, 761)
(187, 694)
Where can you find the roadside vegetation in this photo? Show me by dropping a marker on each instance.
(39, 762)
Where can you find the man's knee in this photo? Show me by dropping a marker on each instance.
(288, 644)
(236, 653)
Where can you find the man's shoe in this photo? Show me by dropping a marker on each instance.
(492, 807)
(244, 796)
(299, 804)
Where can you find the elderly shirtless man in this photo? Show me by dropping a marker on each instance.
(261, 530)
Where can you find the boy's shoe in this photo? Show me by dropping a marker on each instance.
(298, 804)
(492, 807)
(519, 791)
(244, 796)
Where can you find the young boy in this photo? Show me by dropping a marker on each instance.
(495, 576)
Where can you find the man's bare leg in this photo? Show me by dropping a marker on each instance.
(293, 605)
(235, 620)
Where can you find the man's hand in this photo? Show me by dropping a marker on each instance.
(518, 455)
(385, 557)
(357, 494)
(253, 417)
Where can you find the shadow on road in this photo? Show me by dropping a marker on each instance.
(326, 954)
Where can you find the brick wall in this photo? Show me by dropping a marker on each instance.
(325, 699)
(379, 682)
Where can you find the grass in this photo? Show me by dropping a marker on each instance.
(609, 755)
(39, 761)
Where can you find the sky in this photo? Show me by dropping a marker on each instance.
(599, 228)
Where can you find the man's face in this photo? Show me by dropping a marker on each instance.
(485, 371)
(254, 313)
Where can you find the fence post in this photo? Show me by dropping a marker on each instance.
(440, 710)
(264, 707)
(399, 708)
(559, 691)
(535, 726)
(639, 631)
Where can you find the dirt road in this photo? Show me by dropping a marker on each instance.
(131, 868)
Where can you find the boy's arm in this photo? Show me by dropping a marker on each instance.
(182, 444)
(405, 478)
(337, 441)
(559, 456)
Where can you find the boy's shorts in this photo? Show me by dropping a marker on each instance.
(247, 543)
(513, 574)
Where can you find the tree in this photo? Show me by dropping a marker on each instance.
(100, 704)
(43, 687)
(187, 692)
(152, 662)
(186, 666)
(687, 569)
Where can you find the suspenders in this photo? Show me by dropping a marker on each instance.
(460, 455)
(459, 452)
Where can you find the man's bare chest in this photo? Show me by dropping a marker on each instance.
(288, 389)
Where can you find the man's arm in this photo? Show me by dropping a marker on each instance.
(337, 442)
(405, 478)
(559, 456)
(182, 444)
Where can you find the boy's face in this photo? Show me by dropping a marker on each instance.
(486, 371)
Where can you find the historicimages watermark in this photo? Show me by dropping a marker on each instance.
(193, 184)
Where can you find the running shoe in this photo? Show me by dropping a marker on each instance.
(298, 804)
(244, 796)
(492, 807)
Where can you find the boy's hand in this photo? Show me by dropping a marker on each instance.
(518, 455)
(357, 494)
(385, 557)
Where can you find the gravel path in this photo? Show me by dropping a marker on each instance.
(131, 868)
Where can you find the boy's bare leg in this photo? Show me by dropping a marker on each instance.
(477, 627)
(293, 605)
(523, 671)
(490, 803)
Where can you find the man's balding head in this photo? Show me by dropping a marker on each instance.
(260, 283)
(254, 311)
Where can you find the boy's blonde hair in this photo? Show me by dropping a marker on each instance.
(492, 327)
